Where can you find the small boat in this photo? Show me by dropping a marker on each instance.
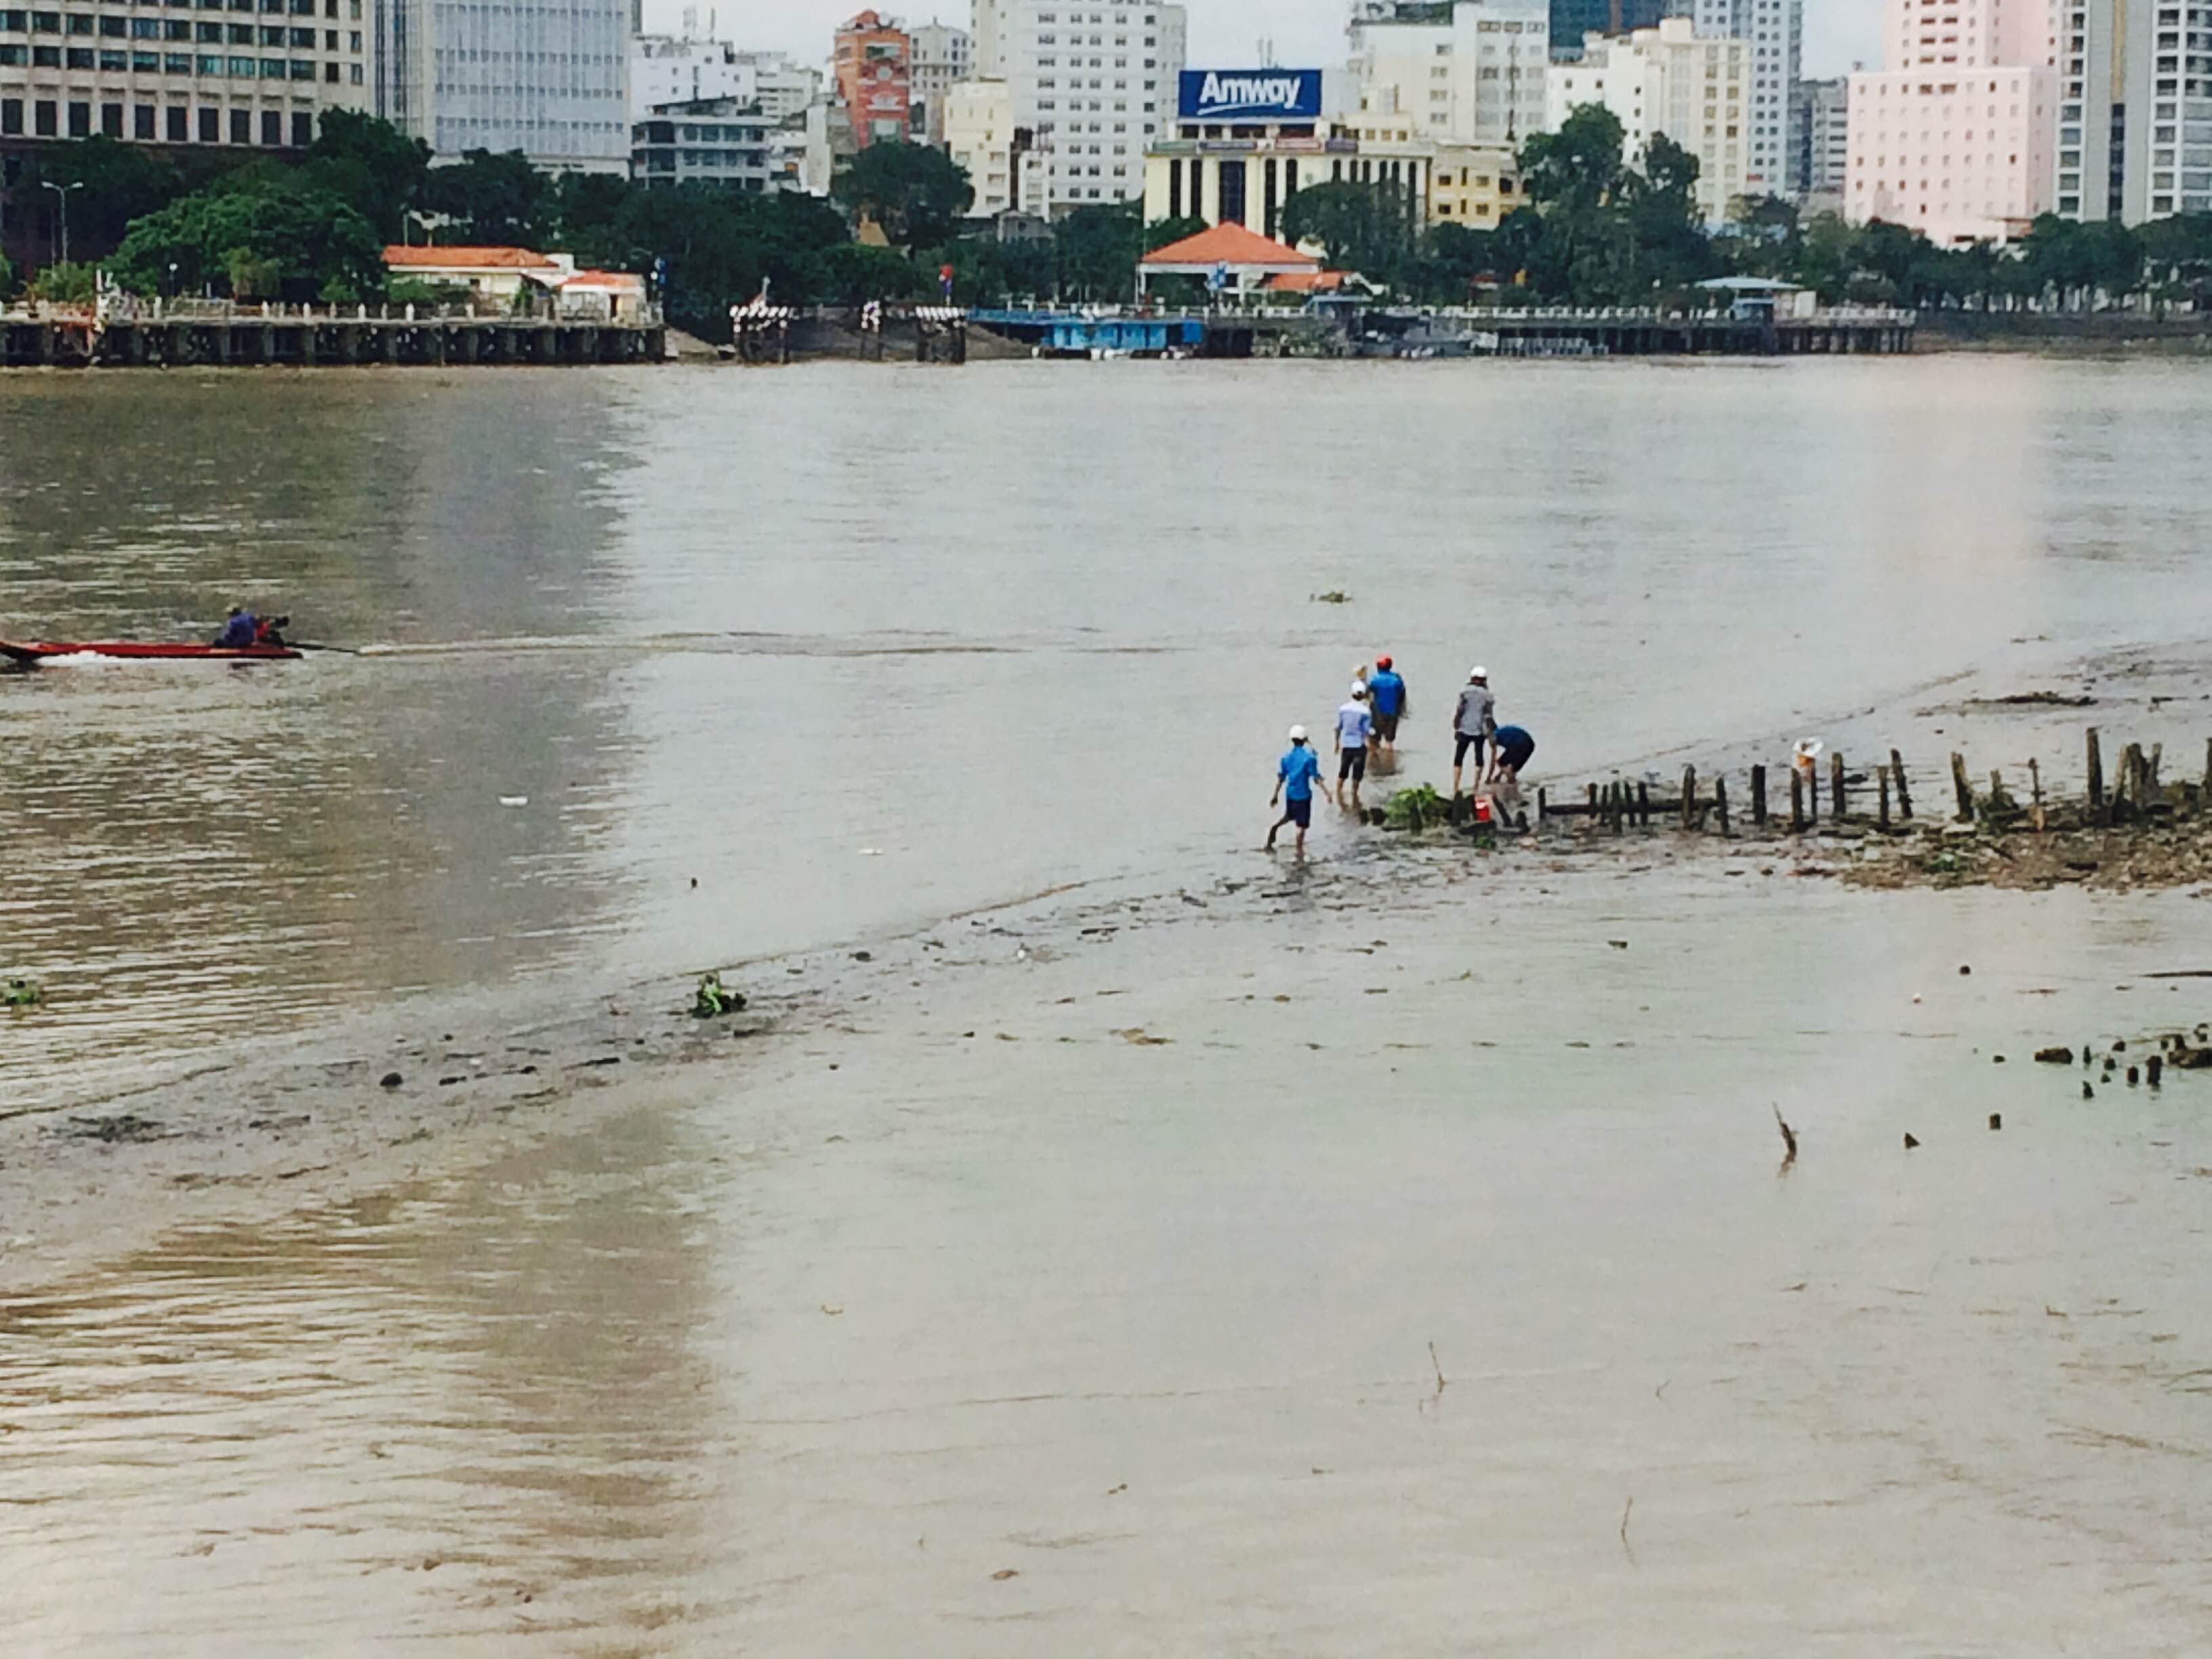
(30, 654)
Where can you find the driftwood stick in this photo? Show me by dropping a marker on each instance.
(2035, 792)
(1881, 776)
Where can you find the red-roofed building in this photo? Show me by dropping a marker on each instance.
(488, 273)
(1237, 259)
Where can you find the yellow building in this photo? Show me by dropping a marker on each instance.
(1250, 177)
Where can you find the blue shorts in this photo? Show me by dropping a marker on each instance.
(1299, 810)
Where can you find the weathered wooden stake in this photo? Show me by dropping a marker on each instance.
(1593, 804)
(2129, 790)
(1811, 793)
(2096, 774)
(1966, 791)
(1689, 797)
(1797, 801)
(2157, 789)
(1881, 775)
(1543, 805)
(1643, 802)
(1836, 786)
(2035, 792)
(1758, 789)
(1720, 801)
(1904, 789)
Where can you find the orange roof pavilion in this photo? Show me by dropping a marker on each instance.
(1245, 257)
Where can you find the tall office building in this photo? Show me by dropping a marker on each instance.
(943, 58)
(1094, 80)
(547, 78)
(1774, 31)
(1469, 73)
(121, 70)
(873, 68)
(2134, 119)
(1954, 137)
(1572, 21)
(1822, 139)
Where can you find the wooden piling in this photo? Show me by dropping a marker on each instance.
(1644, 804)
(1797, 801)
(2130, 791)
(1689, 797)
(1720, 802)
(2035, 794)
(1593, 803)
(1543, 805)
(1758, 789)
(1904, 789)
(2096, 774)
(1965, 790)
(1836, 787)
(1881, 775)
(2157, 789)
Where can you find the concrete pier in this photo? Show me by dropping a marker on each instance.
(307, 338)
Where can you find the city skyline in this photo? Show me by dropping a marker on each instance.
(1839, 33)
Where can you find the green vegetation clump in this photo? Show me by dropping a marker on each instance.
(1415, 809)
(22, 994)
(714, 1000)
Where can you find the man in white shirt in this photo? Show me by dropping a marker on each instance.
(1355, 726)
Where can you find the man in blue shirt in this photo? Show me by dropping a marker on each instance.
(1296, 774)
(1385, 696)
(237, 629)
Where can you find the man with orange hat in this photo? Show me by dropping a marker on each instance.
(1387, 701)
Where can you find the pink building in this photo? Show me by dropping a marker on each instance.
(1956, 137)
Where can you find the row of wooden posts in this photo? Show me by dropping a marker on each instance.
(2134, 791)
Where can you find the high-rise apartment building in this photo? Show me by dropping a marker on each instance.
(1822, 139)
(1573, 20)
(547, 78)
(1694, 89)
(173, 77)
(1093, 80)
(1470, 73)
(943, 57)
(873, 67)
(1954, 137)
(2134, 119)
(1774, 31)
(673, 68)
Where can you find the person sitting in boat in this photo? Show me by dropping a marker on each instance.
(238, 629)
(270, 631)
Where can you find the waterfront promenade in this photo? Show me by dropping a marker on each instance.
(203, 332)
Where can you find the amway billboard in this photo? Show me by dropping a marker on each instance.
(1250, 95)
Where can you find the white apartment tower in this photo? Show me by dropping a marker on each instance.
(1692, 89)
(672, 68)
(2134, 119)
(547, 78)
(1095, 82)
(1774, 31)
(943, 57)
(1472, 73)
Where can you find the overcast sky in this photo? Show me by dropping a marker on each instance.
(1223, 34)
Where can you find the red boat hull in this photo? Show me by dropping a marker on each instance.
(31, 652)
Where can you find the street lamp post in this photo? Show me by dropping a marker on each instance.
(62, 193)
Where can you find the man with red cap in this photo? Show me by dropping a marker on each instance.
(1387, 701)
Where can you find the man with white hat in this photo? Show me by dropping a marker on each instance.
(1472, 723)
(1296, 774)
(1355, 727)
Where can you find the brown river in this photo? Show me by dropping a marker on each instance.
(1383, 1256)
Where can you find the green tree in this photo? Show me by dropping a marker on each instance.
(109, 184)
(74, 283)
(372, 165)
(854, 272)
(1099, 247)
(491, 201)
(1161, 231)
(915, 192)
(1578, 168)
(278, 235)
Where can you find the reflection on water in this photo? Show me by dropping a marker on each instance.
(1003, 629)
(465, 1412)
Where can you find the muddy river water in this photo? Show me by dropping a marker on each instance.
(1387, 1256)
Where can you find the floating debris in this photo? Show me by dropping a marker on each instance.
(714, 1000)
